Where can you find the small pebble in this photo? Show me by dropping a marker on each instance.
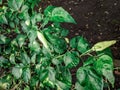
(115, 4)
(106, 12)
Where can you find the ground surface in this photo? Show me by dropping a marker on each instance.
(97, 20)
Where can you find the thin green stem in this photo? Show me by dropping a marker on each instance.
(86, 53)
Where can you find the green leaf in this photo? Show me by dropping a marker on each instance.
(34, 81)
(48, 10)
(12, 58)
(32, 35)
(33, 58)
(89, 79)
(58, 14)
(104, 66)
(4, 39)
(17, 72)
(80, 44)
(95, 81)
(35, 46)
(64, 33)
(25, 58)
(15, 4)
(71, 59)
(50, 80)
(27, 88)
(103, 45)
(79, 87)
(12, 24)
(20, 39)
(106, 51)
(3, 62)
(81, 76)
(83, 45)
(89, 61)
(26, 75)
(3, 19)
(61, 85)
(44, 74)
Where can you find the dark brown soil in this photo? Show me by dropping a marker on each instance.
(97, 20)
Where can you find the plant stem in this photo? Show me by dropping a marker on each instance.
(86, 53)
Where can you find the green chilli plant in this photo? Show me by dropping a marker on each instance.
(35, 53)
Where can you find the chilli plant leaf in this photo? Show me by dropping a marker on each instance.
(58, 14)
(104, 66)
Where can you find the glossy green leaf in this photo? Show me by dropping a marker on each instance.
(15, 4)
(103, 45)
(95, 81)
(27, 88)
(48, 10)
(4, 39)
(12, 24)
(34, 81)
(104, 66)
(35, 46)
(79, 87)
(20, 39)
(106, 51)
(50, 80)
(89, 61)
(12, 59)
(74, 42)
(83, 45)
(26, 75)
(71, 59)
(33, 58)
(3, 19)
(64, 32)
(17, 72)
(44, 75)
(81, 76)
(3, 62)
(32, 35)
(61, 85)
(88, 79)
(80, 44)
(25, 58)
(58, 14)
